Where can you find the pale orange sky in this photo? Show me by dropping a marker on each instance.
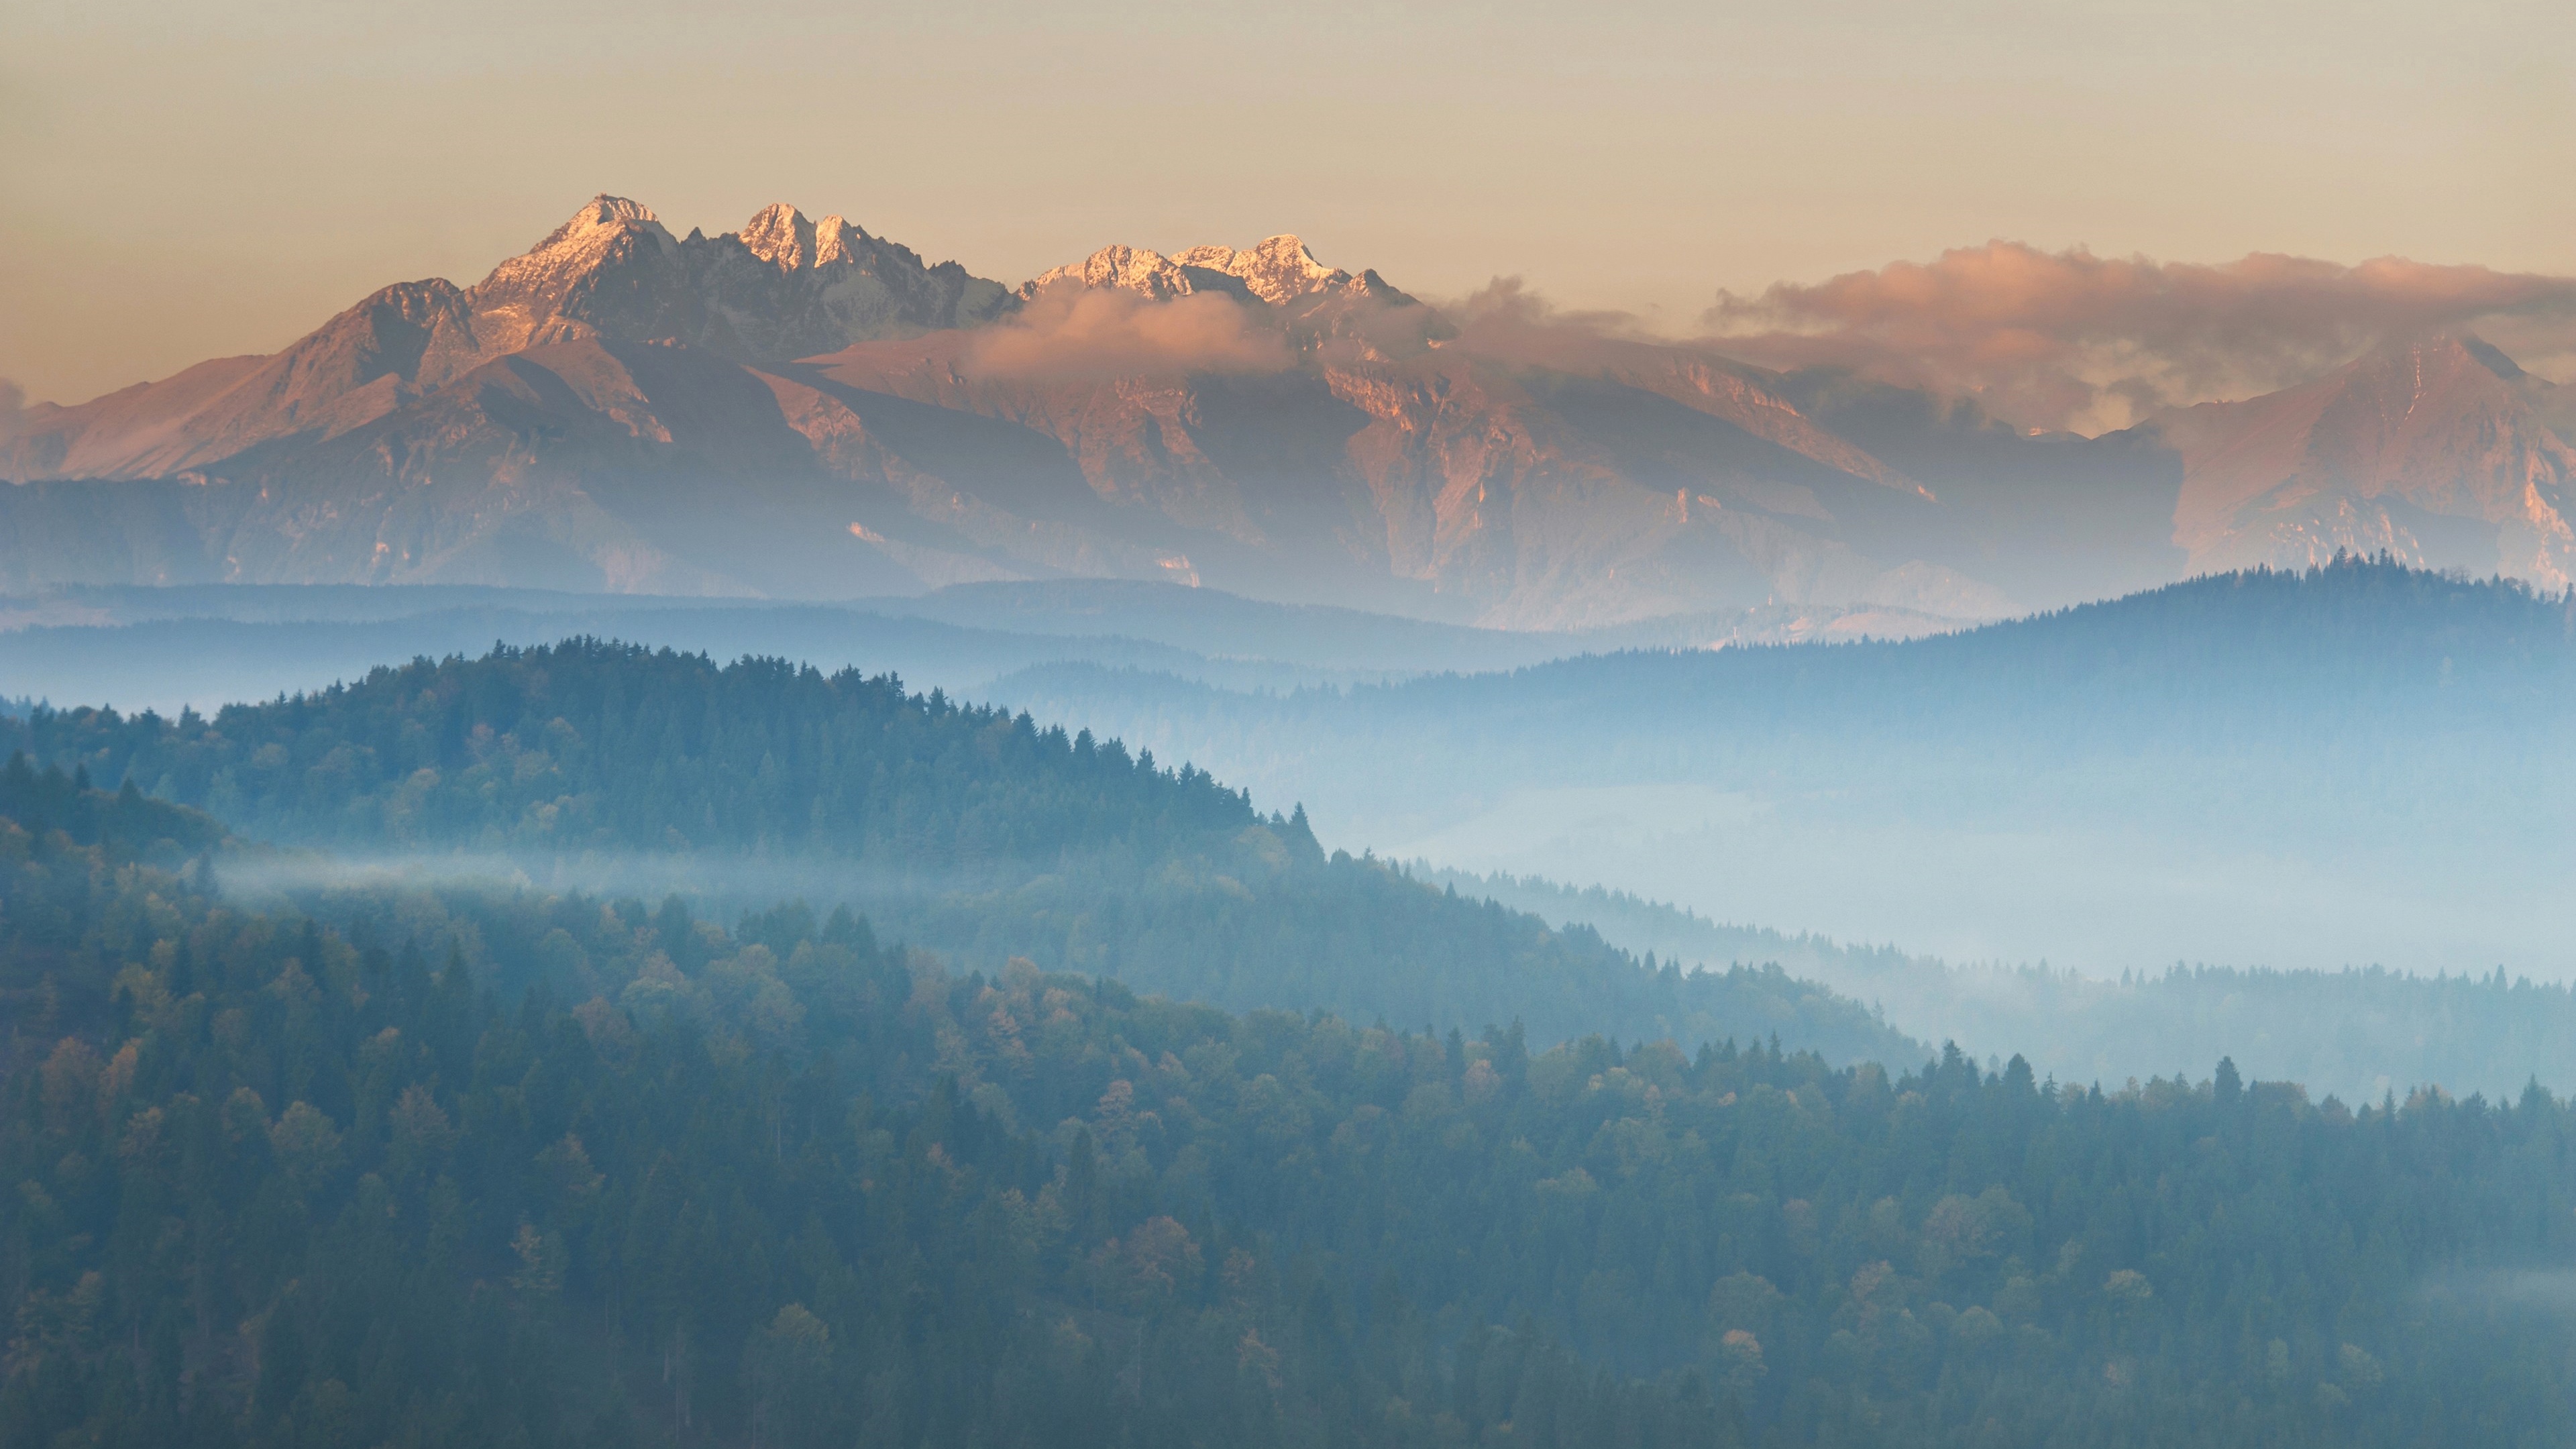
(186, 179)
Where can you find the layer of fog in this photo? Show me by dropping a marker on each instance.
(712, 883)
(2097, 897)
(170, 664)
(2134, 883)
(2358, 1034)
(2099, 902)
(2091, 892)
(2548, 1290)
(205, 647)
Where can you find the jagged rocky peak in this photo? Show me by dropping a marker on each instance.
(1279, 270)
(1129, 269)
(783, 287)
(592, 237)
(780, 235)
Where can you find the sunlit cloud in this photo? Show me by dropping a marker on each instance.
(1073, 331)
(2073, 340)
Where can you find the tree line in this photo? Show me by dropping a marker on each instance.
(524, 1167)
(964, 829)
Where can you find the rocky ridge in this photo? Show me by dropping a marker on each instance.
(2436, 449)
(800, 408)
(1279, 271)
(779, 289)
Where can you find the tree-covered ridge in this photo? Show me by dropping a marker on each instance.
(2275, 666)
(2247, 648)
(127, 822)
(589, 745)
(1352, 936)
(616, 1176)
(963, 829)
(2370, 758)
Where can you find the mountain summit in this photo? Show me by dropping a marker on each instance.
(801, 408)
(779, 289)
(2435, 448)
(1279, 271)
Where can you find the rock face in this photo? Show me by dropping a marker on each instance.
(1279, 271)
(781, 288)
(1506, 474)
(800, 409)
(2437, 450)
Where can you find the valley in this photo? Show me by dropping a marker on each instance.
(746, 839)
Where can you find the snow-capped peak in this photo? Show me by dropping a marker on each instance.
(1129, 269)
(836, 240)
(1277, 269)
(581, 243)
(601, 214)
(781, 236)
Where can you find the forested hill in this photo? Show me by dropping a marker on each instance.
(591, 746)
(127, 824)
(2321, 702)
(528, 1169)
(962, 829)
(2259, 652)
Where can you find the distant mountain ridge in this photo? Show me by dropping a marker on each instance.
(2373, 756)
(801, 409)
(2436, 449)
(783, 287)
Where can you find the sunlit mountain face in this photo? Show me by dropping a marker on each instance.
(804, 410)
(754, 840)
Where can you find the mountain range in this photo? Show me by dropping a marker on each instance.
(804, 410)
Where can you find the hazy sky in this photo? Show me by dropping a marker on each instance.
(187, 178)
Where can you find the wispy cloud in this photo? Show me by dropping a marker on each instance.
(1072, 331)
(2070, 339)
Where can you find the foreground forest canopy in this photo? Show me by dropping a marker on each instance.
(963, 829)
(480, 1168)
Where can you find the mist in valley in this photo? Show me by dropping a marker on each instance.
(1855, 733)
(1986, 845)
(2053, 893)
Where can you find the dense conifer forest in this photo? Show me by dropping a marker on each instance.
(486, 1168)
(1009, 1141)
(963, 829)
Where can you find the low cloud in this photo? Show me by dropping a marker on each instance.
(1505, 319)
(1506, 307)
(2071, 340)
(1073, 332)
(13, 399)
